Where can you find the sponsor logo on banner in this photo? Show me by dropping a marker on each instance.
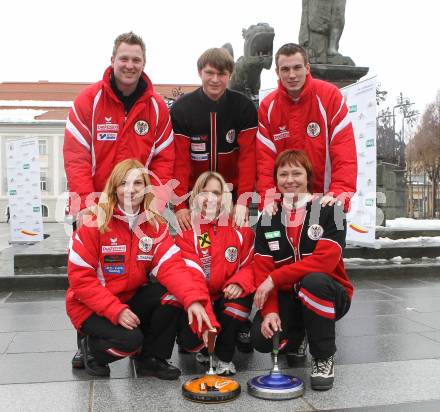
(109, 137)
(315, 232)
(283, 134)
(353, 108)
(274, 245)
(231, 254)
(199, 157)
(313, 129)
(114, 269)
(145, 244)
(141, 127)
(108, 127)
(198, 147)
(144, 257)
(230, 136)
(114, 249)
(272, 235)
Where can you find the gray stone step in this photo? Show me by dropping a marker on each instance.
(405, 233)
(411, 252)
(365, 270)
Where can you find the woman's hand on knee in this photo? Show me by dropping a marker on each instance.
(262, 292)
(270, 324)
(128, 320)
(232, 291)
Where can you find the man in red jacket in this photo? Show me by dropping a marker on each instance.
(311, 115)
(117, 118)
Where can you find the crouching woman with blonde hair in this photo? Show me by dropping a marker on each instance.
(221, 256)
(122, 263)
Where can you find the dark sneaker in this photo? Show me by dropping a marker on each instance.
(160, 368)
(323, 374)
(91, 365)
(299, 356)
(243, 341)
(78, 360)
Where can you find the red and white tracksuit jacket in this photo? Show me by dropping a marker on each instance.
(295, 244)
(105, 270)
(318, 123)
(221, 255)
(99, 135)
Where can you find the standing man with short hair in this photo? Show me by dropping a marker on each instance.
(311, 115)
(117, 118)
(214, 130)
(120, 117)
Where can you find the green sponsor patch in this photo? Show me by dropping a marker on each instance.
(26, 166)
(12, 192)
(36, 209)
(272, 235)
(370, 142)
(369, 202)
(353, 109)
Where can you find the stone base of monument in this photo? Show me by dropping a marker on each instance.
(339, 75)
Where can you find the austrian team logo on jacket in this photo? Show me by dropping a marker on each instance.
(230, 136)
(313, 129)
(145, 244)
(315, 232)
(231, 254)
(141, 127)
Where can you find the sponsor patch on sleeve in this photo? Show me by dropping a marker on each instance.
(274, 245)
(199, 157)
(114, 258)
(114, 269)
(198, 147)
(108, 137)
(144, 257)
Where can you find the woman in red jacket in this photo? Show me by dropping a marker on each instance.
(221, 255)
(302, 284)
(122, 263)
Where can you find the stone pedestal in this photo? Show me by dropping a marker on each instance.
(391, 182)
(339, 75)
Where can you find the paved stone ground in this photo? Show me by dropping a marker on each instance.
(388, 359)
(388, 355)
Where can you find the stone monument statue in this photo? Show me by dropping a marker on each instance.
(322, 23)
(258, 54)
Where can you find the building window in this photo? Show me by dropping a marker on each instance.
(42, 147)
(43, 181)
(44, 211)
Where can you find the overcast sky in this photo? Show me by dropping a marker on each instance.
(72, 40)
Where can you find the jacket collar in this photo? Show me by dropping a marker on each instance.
(306, 90)
(106, 79)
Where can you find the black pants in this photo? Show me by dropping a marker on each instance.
(313, 309)
(154, 336)
(231, 314)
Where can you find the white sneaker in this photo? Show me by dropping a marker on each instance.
(225, 368)
(204, 359)
(323, 374)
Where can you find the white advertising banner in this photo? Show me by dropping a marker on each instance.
(24, 193)
(361, 220)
